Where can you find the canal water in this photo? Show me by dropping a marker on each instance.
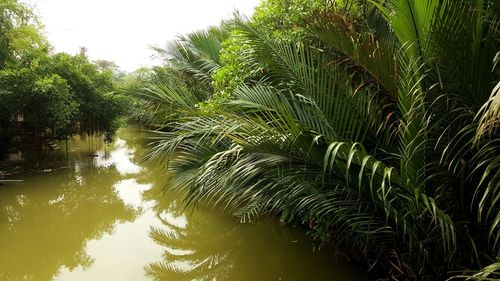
(100, 214)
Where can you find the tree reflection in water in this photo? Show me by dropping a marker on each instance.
(46, 222)
(185, 261)
(204, 244)
(190, 252)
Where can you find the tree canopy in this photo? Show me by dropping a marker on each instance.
(50, 94)
(373, 123)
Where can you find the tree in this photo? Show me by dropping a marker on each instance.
(52, 93)
(367, 128)
(105, 65)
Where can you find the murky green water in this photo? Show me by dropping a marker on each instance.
(103, 218)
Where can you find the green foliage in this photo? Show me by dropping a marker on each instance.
(235, 69)
(15, 19)
(357, 120)
(146, 89)
(292, 19)
(284, 18)
(489, 273)
(53, 94)
(98, 110)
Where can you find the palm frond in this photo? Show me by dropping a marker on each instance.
(489, 273)
(376, 57)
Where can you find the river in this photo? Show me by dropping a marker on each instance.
(106, 218)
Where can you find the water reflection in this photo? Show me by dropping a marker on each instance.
(184, 260)
(198, 246)
(190, 251)
(102, 216)
(46, 222)
(120, 157)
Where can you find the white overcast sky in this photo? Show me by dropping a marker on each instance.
(123, 30)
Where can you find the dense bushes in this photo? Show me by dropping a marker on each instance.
(373, 124)
(46, 94)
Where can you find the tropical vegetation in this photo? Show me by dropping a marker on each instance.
(372, 123)
(45, 94)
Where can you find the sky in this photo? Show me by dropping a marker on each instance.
(122, 31)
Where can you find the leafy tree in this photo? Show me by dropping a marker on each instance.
(13, 16)
(105, 65)
(376, 126)
(53, 94)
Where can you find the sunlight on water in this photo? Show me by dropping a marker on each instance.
(179, 221)
(120, 158)
(106, 218)
(131, 192)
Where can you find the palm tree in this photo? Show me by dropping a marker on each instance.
(380, 134)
